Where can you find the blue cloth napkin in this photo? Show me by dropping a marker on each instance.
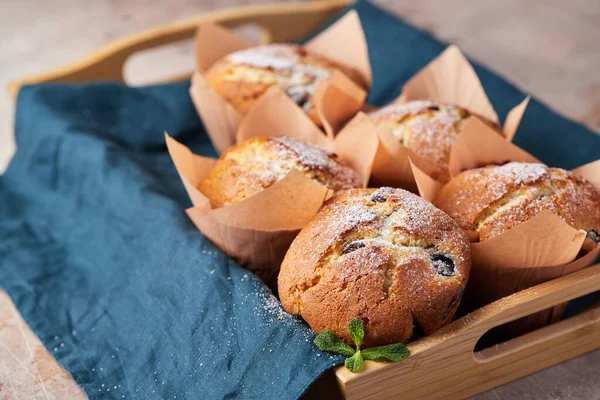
(103, 264)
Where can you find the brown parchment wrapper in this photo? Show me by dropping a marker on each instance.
(448, 78)
(257, 231)
(543, 248)
(338, 98)
(344, 43)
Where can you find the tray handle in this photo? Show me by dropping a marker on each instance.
(537, 298)
(276, 22)
(444, 364)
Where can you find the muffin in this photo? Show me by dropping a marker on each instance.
(494, 199)
(256, 164)
(383, 255)
(243, 76)
(428, 129)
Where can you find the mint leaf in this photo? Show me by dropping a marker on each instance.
(392, 352)
(355, 362)
(329, 342)
(356, 329)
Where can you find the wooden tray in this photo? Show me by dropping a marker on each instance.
(443, 365)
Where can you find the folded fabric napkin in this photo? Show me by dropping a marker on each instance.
(101, 260)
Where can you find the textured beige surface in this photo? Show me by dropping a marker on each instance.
(27, 369)
(548, 48)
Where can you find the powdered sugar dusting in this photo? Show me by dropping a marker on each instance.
(274, 56)
(418, 214)
(411, 213)
(297, 73)
(347, 217)
(270, 305)
(370, 259)
(323, 163)
(498, 180)
(318, 73)
(310, 155)
(518, 172)
(354, 215)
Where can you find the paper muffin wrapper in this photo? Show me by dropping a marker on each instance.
(337, 99)
(540, 249)
(447, 78)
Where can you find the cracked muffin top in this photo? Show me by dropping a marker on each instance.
(258, 163)
(243, 76)
(428, 129)
(494, 199)
(383, 255)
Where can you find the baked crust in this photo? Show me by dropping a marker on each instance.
(428, 128)
(243, 76)
(494, 199)
(383, 255)
(256, 164)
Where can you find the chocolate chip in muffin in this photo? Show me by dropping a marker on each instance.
(442, 264)
(379, 195)
(434, 108)
(594, 236)
(352, 246)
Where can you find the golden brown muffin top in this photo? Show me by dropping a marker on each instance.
(493, 199)
(256, 164)
(385, 256)
(245, 75)
(428, 128)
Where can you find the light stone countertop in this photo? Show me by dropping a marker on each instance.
(550, 49)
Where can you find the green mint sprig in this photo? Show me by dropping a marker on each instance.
(331, 343)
